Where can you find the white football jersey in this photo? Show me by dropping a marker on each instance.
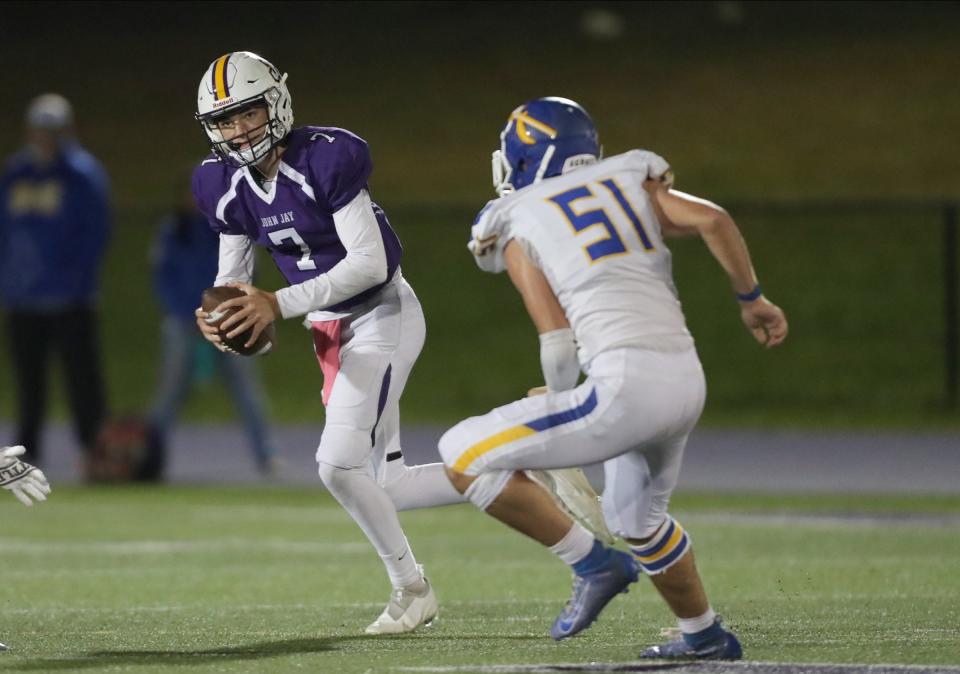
(595, 235)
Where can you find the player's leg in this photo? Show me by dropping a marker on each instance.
(79, 343)
(244, 386)
(344, 461)
(581, 426)
(664, 549)
(29, 335)
(409, 487)
(638, 486)
(591, 423)
(345, 466)
(355, 355)
(600, 572)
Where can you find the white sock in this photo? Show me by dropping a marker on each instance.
(402, 569)
(371, 508)
(576, 545)
(698, 624)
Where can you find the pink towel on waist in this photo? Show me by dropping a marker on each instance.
(326, 343)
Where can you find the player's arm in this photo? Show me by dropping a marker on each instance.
(236, 259)
(683, 214)
(363, 267)
(558, 347)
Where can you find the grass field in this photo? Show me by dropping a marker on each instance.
(252, 580)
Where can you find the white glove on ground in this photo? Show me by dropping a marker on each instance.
(25, 481)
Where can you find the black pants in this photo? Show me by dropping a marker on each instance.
(71, 333)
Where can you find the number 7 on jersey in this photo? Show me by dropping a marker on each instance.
(278, 236)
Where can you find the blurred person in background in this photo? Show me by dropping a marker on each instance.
(184, 261)
(55, 221)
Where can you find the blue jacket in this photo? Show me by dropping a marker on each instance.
(54, 226)
(185, 259)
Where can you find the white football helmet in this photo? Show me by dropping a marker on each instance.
(235, 81)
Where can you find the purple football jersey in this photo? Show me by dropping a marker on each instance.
(322, 170)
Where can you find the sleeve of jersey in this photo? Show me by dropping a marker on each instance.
(236, 260)
(488, 240)
(364, 266)
(341, 169)
(206, 186)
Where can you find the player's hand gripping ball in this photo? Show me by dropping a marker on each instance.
(212, 297)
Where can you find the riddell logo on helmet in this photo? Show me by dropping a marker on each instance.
(220, 104)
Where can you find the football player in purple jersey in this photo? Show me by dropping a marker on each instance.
(302, 194)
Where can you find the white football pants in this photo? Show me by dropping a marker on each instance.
(634, 413)
(366, 359)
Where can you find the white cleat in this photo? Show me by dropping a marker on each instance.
(406, 611)
(575, 495)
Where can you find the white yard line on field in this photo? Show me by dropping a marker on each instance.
(20, 545)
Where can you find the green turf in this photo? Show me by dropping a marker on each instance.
(262, 579)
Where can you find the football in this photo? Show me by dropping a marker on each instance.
(211, 298)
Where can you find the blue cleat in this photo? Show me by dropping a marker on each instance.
(726, 647)
(593, 591)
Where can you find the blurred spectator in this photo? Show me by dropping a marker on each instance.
(184, 257)
(55, 221)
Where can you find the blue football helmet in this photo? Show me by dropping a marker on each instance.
(543, 137)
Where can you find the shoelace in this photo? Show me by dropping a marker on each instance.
(577, 583)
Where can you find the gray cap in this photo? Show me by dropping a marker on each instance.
(49, 111)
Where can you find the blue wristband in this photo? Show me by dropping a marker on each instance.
(750, 296)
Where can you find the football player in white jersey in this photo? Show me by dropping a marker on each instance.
(583, 242)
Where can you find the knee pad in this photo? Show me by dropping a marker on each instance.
(449, 446)
(665, 549)
(335, 478)
(344, 447)
(483, 491)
